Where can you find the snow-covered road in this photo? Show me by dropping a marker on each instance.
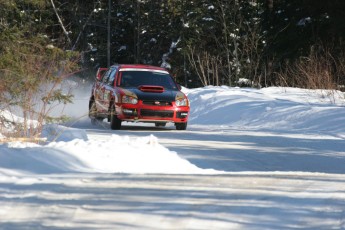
(232, 149)
(272, 181)
(287, 183)
(272, 159)
(233, 201)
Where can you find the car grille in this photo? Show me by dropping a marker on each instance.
(156, 113)
(157, 103)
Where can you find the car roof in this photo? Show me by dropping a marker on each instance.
(124, 67)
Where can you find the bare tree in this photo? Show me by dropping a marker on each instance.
(206, 65)
(227, 38)
(61, 23)
(241, 44)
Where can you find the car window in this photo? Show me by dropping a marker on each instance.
(138, 78)
(111, 78)
(106, 76)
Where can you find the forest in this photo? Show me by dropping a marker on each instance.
(258, 43)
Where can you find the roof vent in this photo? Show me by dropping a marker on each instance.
(151, 88)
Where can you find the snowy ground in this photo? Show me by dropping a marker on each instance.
(272, 158)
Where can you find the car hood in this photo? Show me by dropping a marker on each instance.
(166, 95)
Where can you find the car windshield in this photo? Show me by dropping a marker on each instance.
(137, 78)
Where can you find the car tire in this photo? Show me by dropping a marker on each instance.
(181, 126)
(115, 122)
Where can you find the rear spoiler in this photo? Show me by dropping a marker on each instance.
(100, 73)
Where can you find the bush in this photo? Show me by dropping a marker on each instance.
(31, 72)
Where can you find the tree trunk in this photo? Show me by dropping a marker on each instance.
(61, 24)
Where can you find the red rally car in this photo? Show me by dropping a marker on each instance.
(138, 93)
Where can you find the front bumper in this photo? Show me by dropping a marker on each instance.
(152, 113)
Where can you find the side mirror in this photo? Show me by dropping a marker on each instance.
(179, 86)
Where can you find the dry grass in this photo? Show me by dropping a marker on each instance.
(319, 70)
(22, 139)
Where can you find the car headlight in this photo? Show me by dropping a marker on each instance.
(182, 102)
(129, 100)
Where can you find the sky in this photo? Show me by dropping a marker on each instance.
(270, 158)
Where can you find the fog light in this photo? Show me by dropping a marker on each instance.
(181, 114)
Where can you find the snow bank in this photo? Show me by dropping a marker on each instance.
(128, 155)
(116, 155)
(271, 108)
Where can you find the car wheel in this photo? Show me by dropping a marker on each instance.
(115, 122)
(160, 124)
(181, 126)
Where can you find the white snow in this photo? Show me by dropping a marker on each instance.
(270, 158)
(122, 48)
